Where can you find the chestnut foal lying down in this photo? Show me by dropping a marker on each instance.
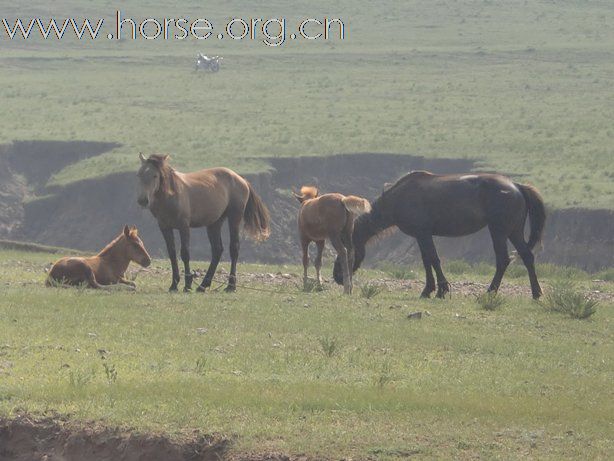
(329, 216)
(106, 268)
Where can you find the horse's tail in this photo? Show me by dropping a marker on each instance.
(537, 213)
(356, 205)
(256, 217)
(307, 192)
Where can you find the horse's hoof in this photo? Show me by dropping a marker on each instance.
(201, 289)
(187, 289)
(172, 290)
(230, 289)
(443, 290)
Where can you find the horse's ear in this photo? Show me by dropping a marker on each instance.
(167, 157)
(142, 157)
(300, 198)
(126, 231)
(134, 232)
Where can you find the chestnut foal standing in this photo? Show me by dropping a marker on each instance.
(204, 198)
(106, 268)
(329, 216)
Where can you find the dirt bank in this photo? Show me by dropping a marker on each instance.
(28, 439)
(87, 214)
(25, 168)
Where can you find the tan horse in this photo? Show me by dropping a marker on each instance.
(204, 198)
(106, 268)
(329, 216)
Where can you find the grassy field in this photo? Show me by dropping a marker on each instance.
(525, 88)
(313, 373)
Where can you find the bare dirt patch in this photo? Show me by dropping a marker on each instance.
(55, 439)
(292, 282)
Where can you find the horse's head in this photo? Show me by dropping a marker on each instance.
(151, 178)
(135, 250)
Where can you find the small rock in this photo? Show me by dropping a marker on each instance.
(415, 315)
(305, 305)
(201, 331)
(459, 317)
(92, 335)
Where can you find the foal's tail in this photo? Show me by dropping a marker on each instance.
(356, 205)
(256, 217)
(537, 213)
(307, 193)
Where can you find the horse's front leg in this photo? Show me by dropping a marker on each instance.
(443, 286)
(428, 268)
(342, 252)
(125, 281)
(184, 234)
(214, 232)
(169, 239)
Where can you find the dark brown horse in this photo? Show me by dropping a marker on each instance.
(204, 198)
(422, 205)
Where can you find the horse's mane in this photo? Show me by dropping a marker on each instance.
(110, 245)
(167, 177)
(374, 224)
(377, 221)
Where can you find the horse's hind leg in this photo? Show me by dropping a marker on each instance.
(234, 226)
(214, 232)
(517, 239)
(90, 278)
(305, 249)
(184, 234)
(499, 241)
(318, 262)
(346, 238)
(169, 239)
(343, 254)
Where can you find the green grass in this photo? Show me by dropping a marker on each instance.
(315, 373)
(525, 89)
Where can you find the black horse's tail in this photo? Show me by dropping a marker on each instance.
(257, 217)
(537, 213)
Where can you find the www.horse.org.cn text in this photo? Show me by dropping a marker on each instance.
(272, 32)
